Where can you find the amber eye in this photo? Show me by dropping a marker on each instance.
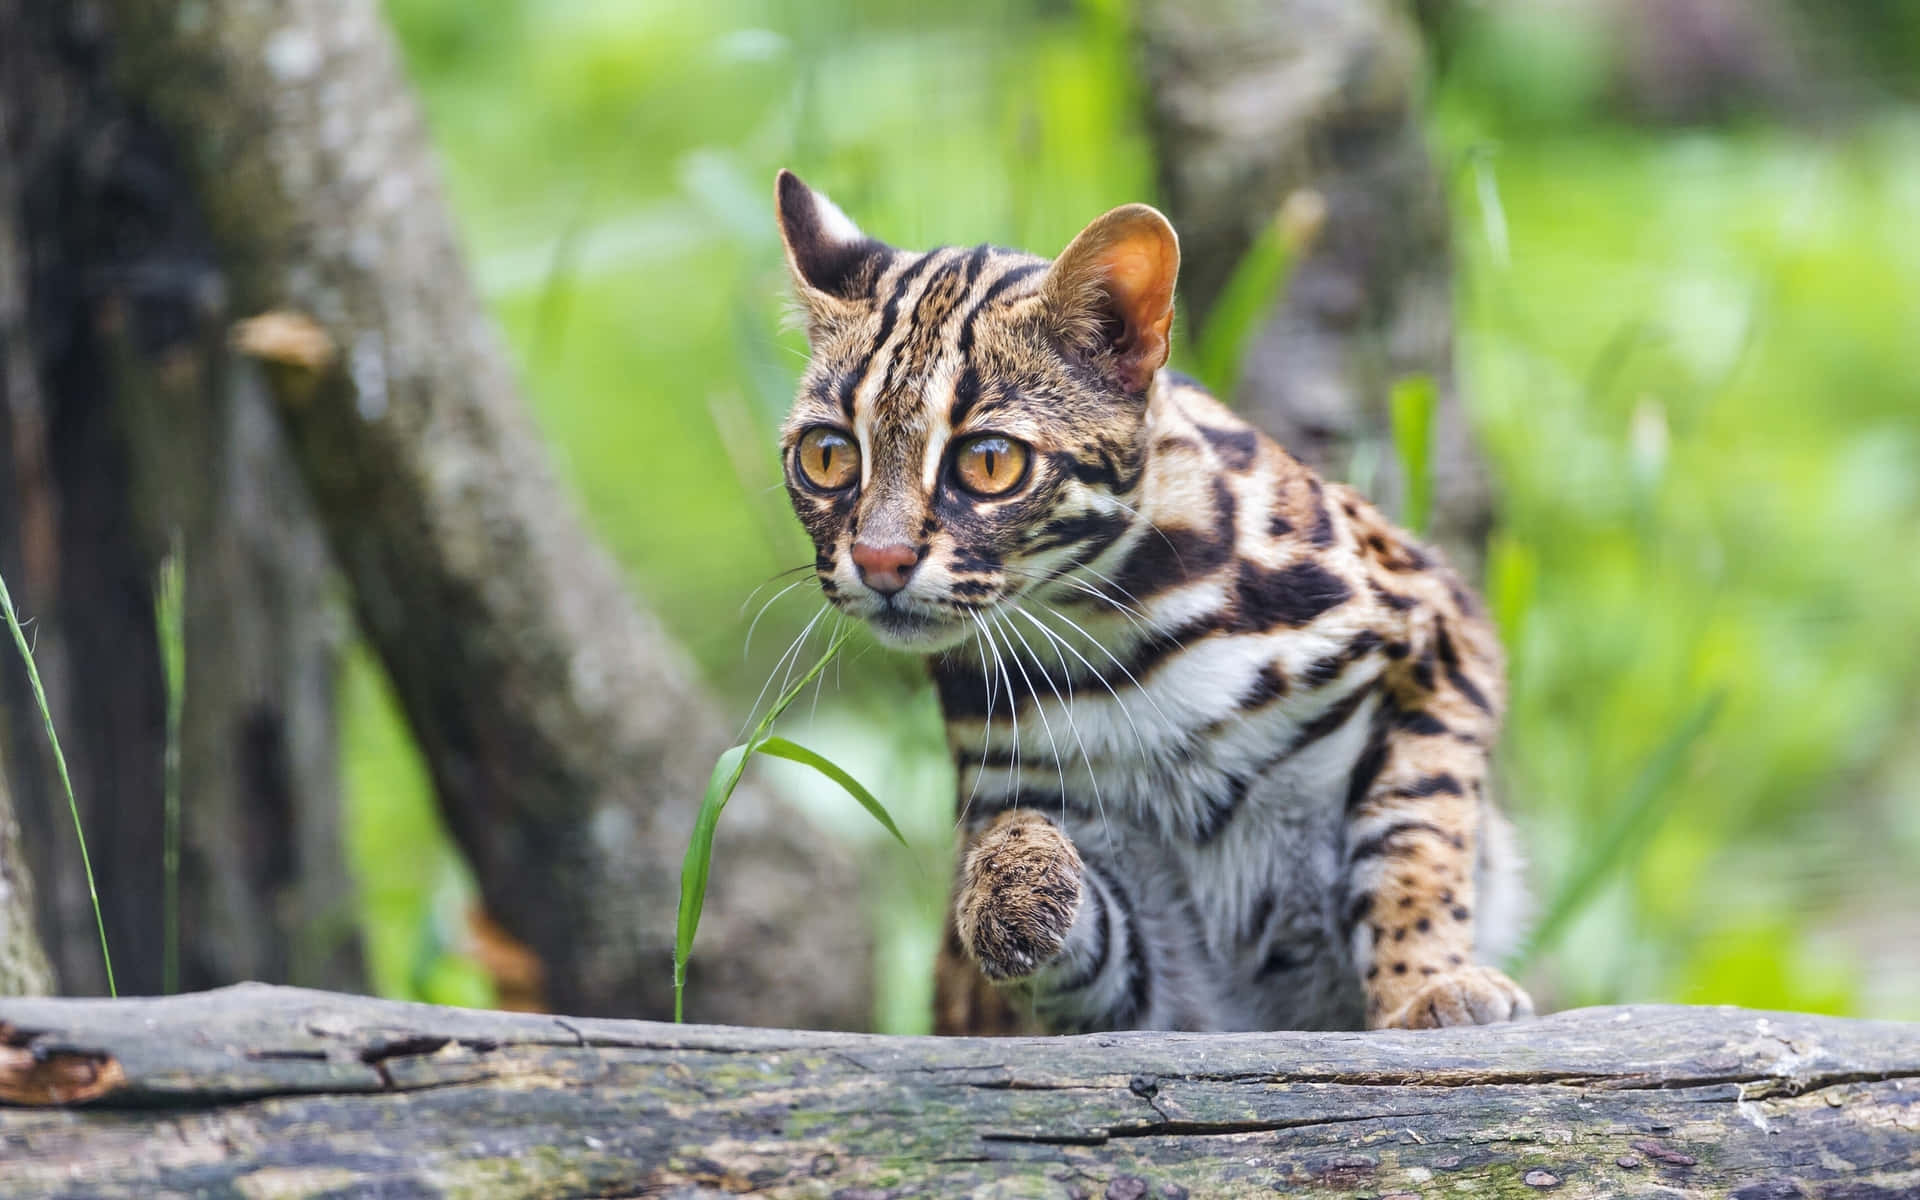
(829, 460)
(990, 464)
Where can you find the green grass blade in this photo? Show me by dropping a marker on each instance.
(787, 698)
(1413, 400)
(1513, 587)
(170, 612)
(780, 747)
(1249, 295)
(66, 781)
(699, 861)
(1634, 821)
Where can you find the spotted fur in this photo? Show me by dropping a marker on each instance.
(1221, 730)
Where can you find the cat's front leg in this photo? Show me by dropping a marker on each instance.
(1042, 936)
(1413, 840)
(1020, 887)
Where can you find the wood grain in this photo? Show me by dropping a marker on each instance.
(258, 1091)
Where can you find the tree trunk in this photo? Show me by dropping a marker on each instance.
(24, 969)
(255, 1091)
(265, 889)
(566, 736)
(78, 571)
(124, 424)
(1311, 107)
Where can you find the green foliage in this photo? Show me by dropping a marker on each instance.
(60, 763)
(727, 772)
(170, 621)
(1410, 407)
(413, 888)
(1625, 833)
(1249, 297)
(1690, 373)
(1689, 356)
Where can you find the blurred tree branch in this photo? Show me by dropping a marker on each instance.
(1313, 106)
(566, 735)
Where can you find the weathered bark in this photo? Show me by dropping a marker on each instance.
(125, 423)
(24, 969)
(66, 543)
(566, 736)
(264, 887)
(255, 1091)
(1313, 105)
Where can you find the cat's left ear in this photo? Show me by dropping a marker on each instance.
(833, 263)
(1111, 291)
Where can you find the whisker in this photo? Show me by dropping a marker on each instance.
(746, 651)
(1138, 616)
(792, 651)
(1013, 709)
(1041, 708)
(1135, 514)
(1137, 607)
(1141, 623)
(1138, 738)
(776, 577)
(805, 635)
(986, 728)
(1124, 670)
(813, 713)
(1073, 726)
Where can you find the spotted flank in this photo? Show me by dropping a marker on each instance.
(1221, 730)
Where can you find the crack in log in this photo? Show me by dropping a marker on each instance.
(1795, 1085)
(288, 1056)
(1176, 1127)
(379, 1054)
(1818, 1083)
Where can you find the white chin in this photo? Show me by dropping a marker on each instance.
(915, 633)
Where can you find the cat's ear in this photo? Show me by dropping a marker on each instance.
(834, 264)
(1111, 291)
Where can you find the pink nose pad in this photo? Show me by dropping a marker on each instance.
(885, 568)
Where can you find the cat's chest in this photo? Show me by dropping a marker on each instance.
(1184, 757)
(1262, 895)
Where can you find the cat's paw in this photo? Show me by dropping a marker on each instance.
(1469, 995)
(1019, 888)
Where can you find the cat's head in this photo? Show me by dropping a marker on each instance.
(969, 427)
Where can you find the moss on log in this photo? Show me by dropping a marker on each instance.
(257, 1091)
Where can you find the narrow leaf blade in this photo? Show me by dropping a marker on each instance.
(698, 862)
(1413, 401)
(780, 747)
(1634, 821)
(1245, 301)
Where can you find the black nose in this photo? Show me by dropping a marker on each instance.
(885, 569)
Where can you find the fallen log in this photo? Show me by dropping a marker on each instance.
(264, 1091)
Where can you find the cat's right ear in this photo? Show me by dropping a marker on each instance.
(834, 264)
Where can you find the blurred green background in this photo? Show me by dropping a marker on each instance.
(1689, 336)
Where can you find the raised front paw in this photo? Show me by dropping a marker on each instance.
(1468, 995)
(1019, 887)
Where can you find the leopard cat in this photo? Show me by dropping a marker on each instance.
(1221, 730)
